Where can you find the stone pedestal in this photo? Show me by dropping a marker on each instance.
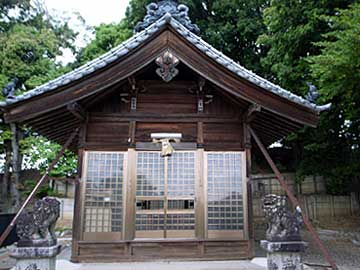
(35, 258)
(284, 255)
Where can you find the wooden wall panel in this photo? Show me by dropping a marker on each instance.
(109, 104)
(107, 133)
(144, 130)
(219, 106)
(226, 136)
(163, 249)
(165, 108)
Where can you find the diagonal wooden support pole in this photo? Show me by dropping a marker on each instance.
(293, 200)
(40, 182)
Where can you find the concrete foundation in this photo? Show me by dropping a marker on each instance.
(284, 255)
(35, 258)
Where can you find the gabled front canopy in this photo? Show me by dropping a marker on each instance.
(46, 108)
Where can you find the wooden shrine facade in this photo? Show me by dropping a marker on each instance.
(131, 203)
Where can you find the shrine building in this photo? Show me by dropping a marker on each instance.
(162, 130)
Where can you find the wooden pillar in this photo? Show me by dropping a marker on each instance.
(200, 134)
(77, 217)
(200, 196)
(78, 202)
(250, 214)
(129, 205)
(132, 131)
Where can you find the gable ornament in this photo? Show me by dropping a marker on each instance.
(167, 63)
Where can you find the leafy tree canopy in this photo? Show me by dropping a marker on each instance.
(231, 26)
(30, 41)
(292, 28)
(107, 36)
(334, 150)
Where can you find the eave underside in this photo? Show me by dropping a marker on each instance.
(57, 125)
(49, 116)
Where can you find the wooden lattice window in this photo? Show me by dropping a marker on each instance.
(103, 192)
(225, 192)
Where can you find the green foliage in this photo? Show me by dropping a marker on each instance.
(30, 41)
(337, 71)
(28, 54)
(43, 191)
(293, 27)
(107, 36)
(231, 26)
(40, 152)
(7, 20)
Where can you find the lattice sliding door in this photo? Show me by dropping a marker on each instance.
(180, 221)
(225, 189)
(150, 195)
(103, 198)
(165, 195)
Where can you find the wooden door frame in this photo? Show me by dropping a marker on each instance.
(200, 196)
(244, 234)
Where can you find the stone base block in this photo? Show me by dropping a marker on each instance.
(36, 264)
(284, 255)
(35, 258)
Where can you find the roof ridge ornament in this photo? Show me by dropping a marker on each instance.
(179, 12)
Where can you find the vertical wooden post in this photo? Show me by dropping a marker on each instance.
(250, 214)
(293, 199)
(332, 206)
(199, 195)
(132, 131)
(78, 202)
(129, 217)
(200, 134)
(77, 230)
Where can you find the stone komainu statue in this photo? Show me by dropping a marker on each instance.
(36, 228)
(283, 225)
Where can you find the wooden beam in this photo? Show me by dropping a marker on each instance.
(160, 118)
(78, 111)
(251, 113)
(293, 199)
(40, 182)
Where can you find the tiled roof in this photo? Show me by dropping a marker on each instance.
(141, 37)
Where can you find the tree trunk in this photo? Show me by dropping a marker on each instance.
(6, 177)
(16, 167)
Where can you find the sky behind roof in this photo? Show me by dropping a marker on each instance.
(94, 12)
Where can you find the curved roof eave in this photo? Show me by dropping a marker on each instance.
(129, 45)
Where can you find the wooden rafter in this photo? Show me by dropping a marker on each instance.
(78, 111)
(251, 113)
